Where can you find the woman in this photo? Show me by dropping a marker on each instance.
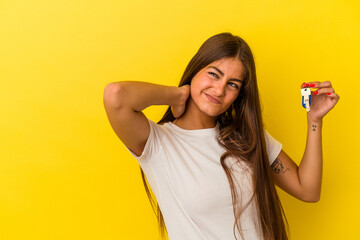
(209, 161)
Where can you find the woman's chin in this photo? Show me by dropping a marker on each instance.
(210, 112)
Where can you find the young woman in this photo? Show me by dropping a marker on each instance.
(209, 162)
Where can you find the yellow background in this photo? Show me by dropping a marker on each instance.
(63, 172)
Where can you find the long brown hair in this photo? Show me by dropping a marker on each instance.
(241, 133)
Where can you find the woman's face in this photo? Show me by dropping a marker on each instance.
(214, 88)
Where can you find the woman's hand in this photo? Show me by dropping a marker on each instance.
(179, 109)
(322, 100)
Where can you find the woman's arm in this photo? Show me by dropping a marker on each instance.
(304, 181)
(310, 168)
(140, 95)
(124, 102)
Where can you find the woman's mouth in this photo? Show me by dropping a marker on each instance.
(212, 99)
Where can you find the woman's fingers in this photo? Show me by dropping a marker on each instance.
(317, 84)
(326, 84)
(324, 90)
(334, 95)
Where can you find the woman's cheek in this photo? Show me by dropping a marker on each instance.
(193, 92)
(204, 84)
(196, 89)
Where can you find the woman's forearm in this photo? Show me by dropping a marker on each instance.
(310, 168)
(140, 95)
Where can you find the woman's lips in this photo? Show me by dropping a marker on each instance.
(211, 99)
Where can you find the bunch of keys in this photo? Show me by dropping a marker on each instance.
(306, 98)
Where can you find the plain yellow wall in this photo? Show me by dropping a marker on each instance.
(63, 172)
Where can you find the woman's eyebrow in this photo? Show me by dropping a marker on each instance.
(222, 74)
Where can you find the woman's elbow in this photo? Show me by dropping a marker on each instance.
(311, 198)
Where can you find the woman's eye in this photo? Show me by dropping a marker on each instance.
(234, 85)
(214, 74)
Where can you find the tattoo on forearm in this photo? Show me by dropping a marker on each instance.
(277, 166)
(314, 127)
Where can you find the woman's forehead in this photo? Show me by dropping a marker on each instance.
(232, 65)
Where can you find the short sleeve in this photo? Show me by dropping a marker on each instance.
(152, 145)
(273, 147)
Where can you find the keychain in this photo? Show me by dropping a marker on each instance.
(306, 98)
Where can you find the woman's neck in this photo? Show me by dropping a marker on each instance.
(194, 119)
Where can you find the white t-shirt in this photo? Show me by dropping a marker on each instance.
(184, 172)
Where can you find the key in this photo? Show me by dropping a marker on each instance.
(306, 98)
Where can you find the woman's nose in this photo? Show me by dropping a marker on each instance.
(218, 89)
